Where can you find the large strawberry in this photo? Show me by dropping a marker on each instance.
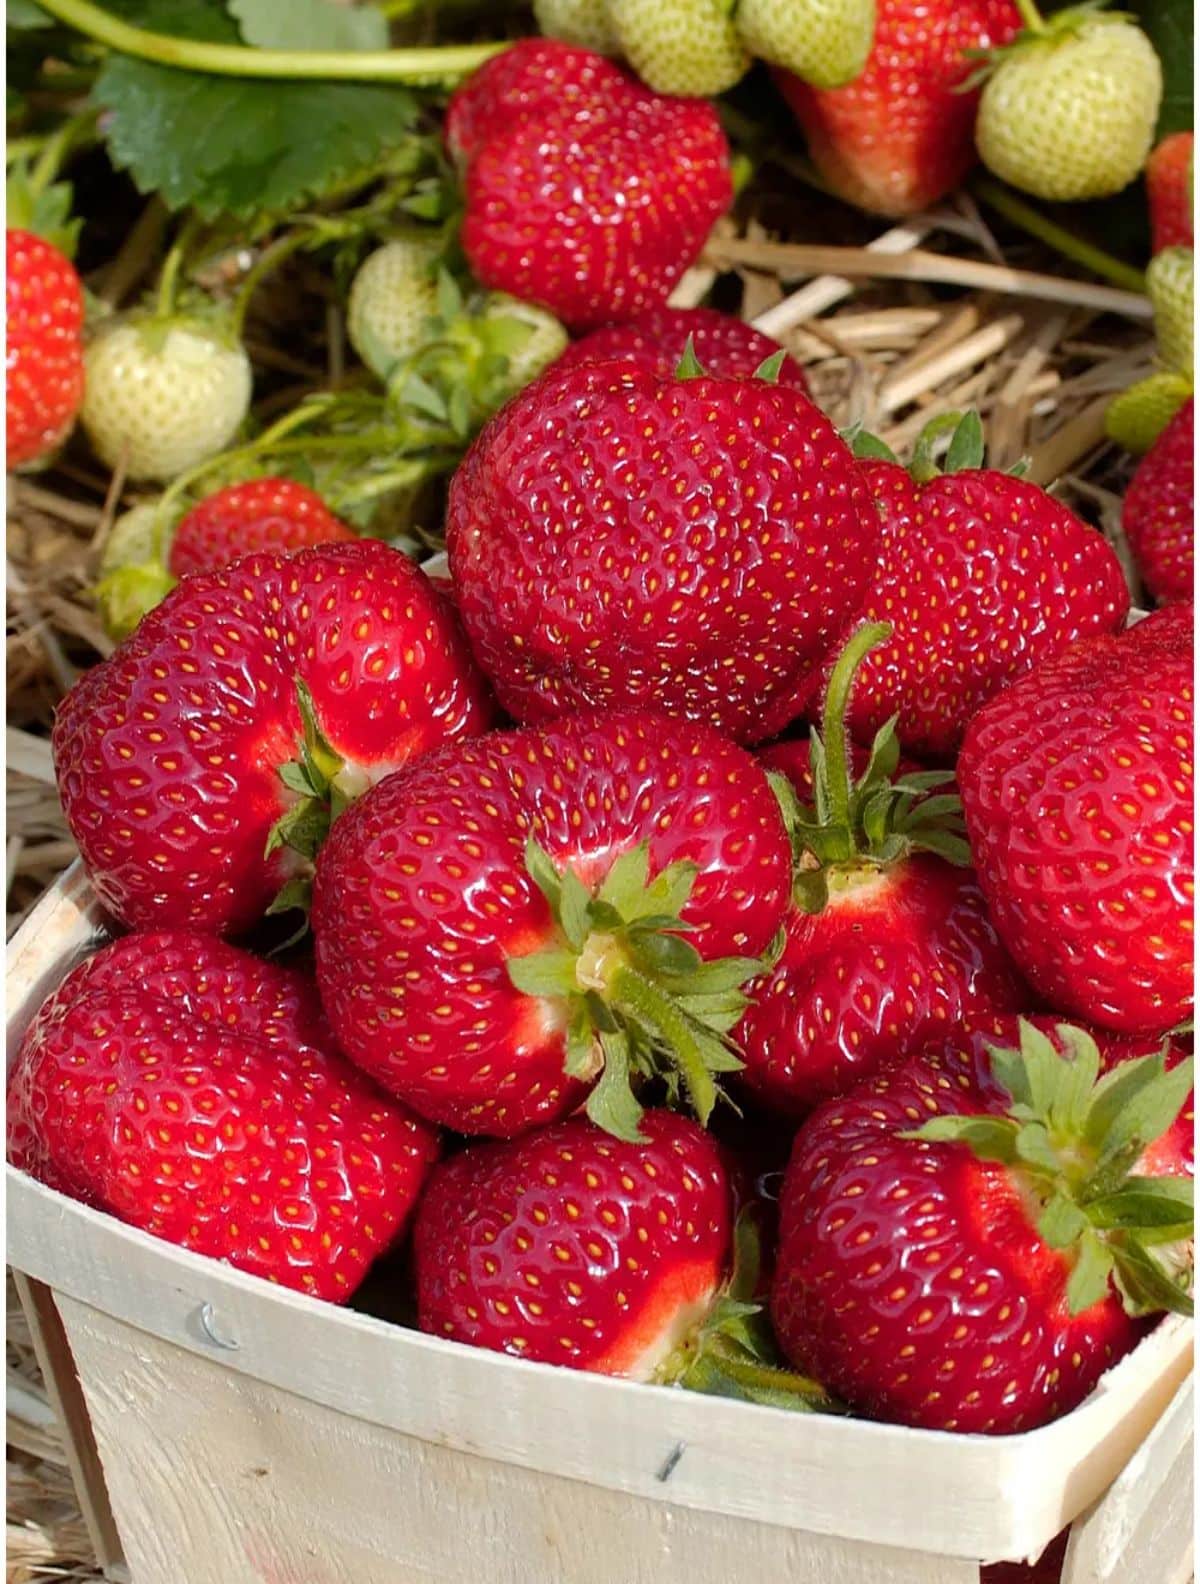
(1169, 178)
(1077, 787)
(198, 765)
(724, 347)
(969, 1241)
(270, 514)
(1159, 511)
(193, 1090)
(888, 939)
(43, 344)
(695, 545)
(585, 192)
(982, 575)
(498, 927)
(899, 136)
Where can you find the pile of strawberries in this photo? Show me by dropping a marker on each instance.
(750, 898)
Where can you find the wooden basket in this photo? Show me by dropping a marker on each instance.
(225, 1431)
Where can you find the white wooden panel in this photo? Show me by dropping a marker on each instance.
(217, 1479)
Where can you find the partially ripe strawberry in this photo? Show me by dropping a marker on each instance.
(393, 298)
(1169, 176)
(1171, 284)
(680, 49)
(970, 1240)
(1069, 111)
(1137, 417)
(582, 22)
(1159, 512)
(826, 43)
(725, 347)
(163, 395)
(193, 1091)
(267, 514)
(43, 344)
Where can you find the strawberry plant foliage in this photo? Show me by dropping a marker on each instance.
(309, 25)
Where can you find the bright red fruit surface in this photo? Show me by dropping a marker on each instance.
(571, 1247)
(192, 1090)
(725, 347)
(1169, 180)
(690, 545)
(43, 346)
(264, 514)
(1159, 513)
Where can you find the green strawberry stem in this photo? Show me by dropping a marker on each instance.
(1004, 201)
(61, 143)
(267, 262)
(168, 279)
(1031, 16)
(833, 717)
(235, 60)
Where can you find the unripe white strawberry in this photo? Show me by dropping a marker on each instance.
(826, 42)
(527, 336)
(1171, 284)
(690, 47)
(133, 569)
(392, 299)
(1069, 113)
(581, 22)
(163, 394)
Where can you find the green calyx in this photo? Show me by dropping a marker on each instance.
(1039, 32)
(965, 450)
(1074, 1139)
(640, 1001)
(690, 367)
(859, 825)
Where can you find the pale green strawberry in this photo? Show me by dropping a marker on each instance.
(1171, 283)
(690, 47)
(392, 300)
(581, 22)
(826, 42)
(527, 337)
(1137, 417)
(133, 569)
(1069, 112)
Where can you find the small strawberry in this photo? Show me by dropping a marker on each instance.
(43, 346)
(1069, 109)
(899, 137)
(393, 298)
(584, 23)
(827, 43)
(1171, 284)
(498, 928)
(980, 1272)
(199, 764)
(1169, 191)
(133, 575)
(1159, 512)
(192, 1090)
(888, 939)
(262, 514)
(693, 545)
(1137, 417)
(724, 347)
(1077, 788)
(686, 48)
(162, 395)
(982, 575)
(585, 192)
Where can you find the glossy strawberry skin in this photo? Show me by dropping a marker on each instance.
(910, 1278)
(689, 545)
(1158, 514)
(192, 1090)
(590, 202)
(725, 347)
(265, 514)
(900, 136)
(43, 346)
(1077, 788)
(422, 896)
(168, 753)
(571, 1247)
(1169, 191)
(982, 576)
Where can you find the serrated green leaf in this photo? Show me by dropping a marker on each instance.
(990, 1138)
(627, 878)
(1079, 1080)
(543, 873)
(725, 974)
(581, 1055)
(1088, 1281)
(1044, 1067)
(1147, 1287)
(664, 955)
(296, 779)
(309, 25)
(546, 973)
(669, 891)
(573, 908)
(1147, 1113)
(1144, 1202)
(1034, 1148)
(612, 1104)
(1062, 1222)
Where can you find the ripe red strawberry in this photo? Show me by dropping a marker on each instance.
(1077, 788)
(899, 137)
(1169, 191)
(965, 1277)
(690, 544)
(267, 514)
(498, 925)
(244, 707)
(724, 347)
(1158, 515)
(585, 192)
(43, 346)
(982, 576)
(193, 1090)
(888, 939)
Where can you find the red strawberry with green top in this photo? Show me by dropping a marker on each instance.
(1077, 788)
(584, 191)
(688, 544)
(982, 576)
(900, 136)
(1169, 191)
(725, 347)
(268, 514)
(888, 939)
(1159, 511)
(968, 1241)
(192, 1090)
(198, 766)
(517, 925)
(43, 346)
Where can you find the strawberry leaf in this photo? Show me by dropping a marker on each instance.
(309, 25)
(1147, 1286)
(769, 368)
(1145, 1202)
(1088, 1281)
(612, 1104)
